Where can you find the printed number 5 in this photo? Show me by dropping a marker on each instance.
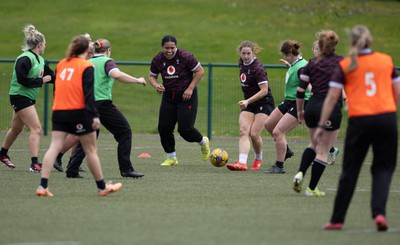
(369, 81)
(64, 72)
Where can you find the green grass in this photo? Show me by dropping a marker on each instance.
(193, 203)
(209, 29)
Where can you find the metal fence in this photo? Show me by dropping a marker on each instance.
(219, 92)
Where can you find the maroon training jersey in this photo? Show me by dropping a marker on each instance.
(251, 76)
(176, 73)
(319, 73)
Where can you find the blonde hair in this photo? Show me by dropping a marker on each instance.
(249, 44)
(32, 37)
(92, 49)
(87, 35)
(327, 42)
(360, 38)
(315, 46)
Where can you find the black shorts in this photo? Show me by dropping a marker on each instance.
(19, 102)
(312, 114)
(289, 106)
(79, 127)
(265, 107)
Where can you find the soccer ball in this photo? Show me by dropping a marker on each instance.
(219, 157)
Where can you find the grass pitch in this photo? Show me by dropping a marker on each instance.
(192, 203)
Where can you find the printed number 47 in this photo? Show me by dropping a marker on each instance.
(369, 81)
(65, 72)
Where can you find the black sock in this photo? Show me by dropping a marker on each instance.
(332, 149)
(43, 182)
(316, 172)
(288, 151)
(101, 185)
(60, 155)
(34, 160)
(3, 151)
(306, 159)
(279, 164)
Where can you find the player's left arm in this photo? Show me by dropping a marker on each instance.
(259, 95)
(198, 74)
(50, 72)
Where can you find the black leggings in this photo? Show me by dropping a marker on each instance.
(380, 132)
(174, 110)
(115, 122)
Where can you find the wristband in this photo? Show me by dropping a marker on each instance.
(303, 84)
(301, 95)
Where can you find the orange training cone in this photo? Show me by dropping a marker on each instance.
(144, 155)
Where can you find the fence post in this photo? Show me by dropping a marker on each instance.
(45, 104)
(209, 111)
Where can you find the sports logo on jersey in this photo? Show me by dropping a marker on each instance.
(243, 77)
(171, 70)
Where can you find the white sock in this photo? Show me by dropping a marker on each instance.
(259, 156)
(172, 155)
(243, 158)
(203, 141)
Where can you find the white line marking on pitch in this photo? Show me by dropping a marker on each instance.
(365, 190)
